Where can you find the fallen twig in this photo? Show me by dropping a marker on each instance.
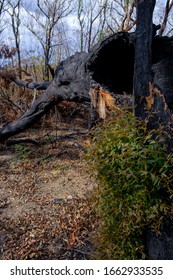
(11, 142)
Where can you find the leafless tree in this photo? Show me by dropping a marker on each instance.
(92, 19)
(99, 18)
(14, 12)
(44, 20)
(123, 15)
(3, 4)
(81, 23)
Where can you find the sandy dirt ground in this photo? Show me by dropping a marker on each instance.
(45, 201)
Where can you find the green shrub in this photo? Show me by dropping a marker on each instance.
(135, 178)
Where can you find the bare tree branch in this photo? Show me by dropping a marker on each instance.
(51, 13)
(31, 85)
(169, 5)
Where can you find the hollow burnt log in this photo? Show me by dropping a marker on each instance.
(76, 75)
(110, 64)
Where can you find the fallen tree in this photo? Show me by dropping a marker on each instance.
(75, 76)
(109, 64)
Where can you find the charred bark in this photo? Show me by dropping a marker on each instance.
(143, 49)
(159, 246)
(76, 75)
(30, 85)
(110, 64)
(151, 104)
(65, 86)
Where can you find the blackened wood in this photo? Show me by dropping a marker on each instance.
(110, 63)
(31, 85)
(76, 75)
(143, 47)
(160, 246)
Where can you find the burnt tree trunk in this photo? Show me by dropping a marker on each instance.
(150, 105)
(143, 49)
(151, 102)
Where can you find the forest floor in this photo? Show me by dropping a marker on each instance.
(46, 193)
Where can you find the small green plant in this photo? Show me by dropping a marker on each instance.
(24, 152)
(135, 176)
